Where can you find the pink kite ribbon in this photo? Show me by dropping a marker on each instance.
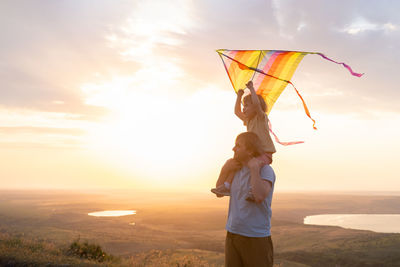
(342, 63)
(277, 139)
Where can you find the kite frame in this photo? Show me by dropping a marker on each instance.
(307, 111)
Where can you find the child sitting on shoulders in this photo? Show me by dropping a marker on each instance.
(256, 121)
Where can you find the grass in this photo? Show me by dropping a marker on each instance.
(42, 231)
(19, 251)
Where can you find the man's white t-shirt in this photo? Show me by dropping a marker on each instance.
(249, 218)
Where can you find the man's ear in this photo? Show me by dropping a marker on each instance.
(251, 154)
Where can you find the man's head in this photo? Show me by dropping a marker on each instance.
(250, 109)
(247, 146)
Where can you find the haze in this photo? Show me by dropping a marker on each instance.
(131, 94)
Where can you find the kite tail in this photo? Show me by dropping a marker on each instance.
(304, 105)
(277, 139)
(342, 63)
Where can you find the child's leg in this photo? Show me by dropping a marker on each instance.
(266, 158)
(229, 180)
(225, 188)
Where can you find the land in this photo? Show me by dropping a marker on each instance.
(37, 227)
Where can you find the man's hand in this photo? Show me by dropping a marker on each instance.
(231, 165)
(255, 164)
(260, 187)
(240, 93)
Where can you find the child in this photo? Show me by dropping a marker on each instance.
(256, 120)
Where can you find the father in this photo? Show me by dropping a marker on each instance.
(248, 240)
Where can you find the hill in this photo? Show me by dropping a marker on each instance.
(188, 231)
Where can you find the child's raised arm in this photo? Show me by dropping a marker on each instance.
(238, 107)
(254, 97)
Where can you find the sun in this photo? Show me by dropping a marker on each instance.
(162, 137)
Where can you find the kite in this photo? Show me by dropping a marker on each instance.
(270, 71)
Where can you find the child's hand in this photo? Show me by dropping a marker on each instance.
(250, 85)
(255, 163)
(240, 93)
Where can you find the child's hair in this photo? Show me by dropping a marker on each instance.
(260, 99)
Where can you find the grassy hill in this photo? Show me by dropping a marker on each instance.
(37, 230)
(19, 251)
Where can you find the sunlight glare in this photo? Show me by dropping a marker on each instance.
(155, 132)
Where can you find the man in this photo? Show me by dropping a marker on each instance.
(248, 240)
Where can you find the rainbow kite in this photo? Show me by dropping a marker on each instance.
(270, 71)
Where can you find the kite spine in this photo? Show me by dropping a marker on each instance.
(260, 71)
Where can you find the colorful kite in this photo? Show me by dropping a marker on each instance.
(270, 71)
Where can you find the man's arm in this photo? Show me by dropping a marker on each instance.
(238, 105)
(260, 187)
(254, 97)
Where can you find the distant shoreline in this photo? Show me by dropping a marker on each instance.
(194, 193)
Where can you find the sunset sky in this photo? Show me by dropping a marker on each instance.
(131, 94)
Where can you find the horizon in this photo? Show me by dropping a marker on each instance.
(192, 191)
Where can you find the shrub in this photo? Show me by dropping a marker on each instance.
(88, 251)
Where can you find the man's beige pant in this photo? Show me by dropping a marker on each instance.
(243, 251)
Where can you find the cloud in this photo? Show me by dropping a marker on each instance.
(54, 50)
(41, 137)
(41, 130)
(360, 25)
(65, 144)
(49, 130)
(151, 25)
(48, 50)
(308, 26)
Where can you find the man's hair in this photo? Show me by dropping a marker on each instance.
(252, 143)
(263, 105)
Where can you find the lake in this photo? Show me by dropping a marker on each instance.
(112, 213)
(383, 223)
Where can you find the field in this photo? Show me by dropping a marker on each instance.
(37, 228)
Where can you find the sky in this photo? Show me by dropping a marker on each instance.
(118, 94)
